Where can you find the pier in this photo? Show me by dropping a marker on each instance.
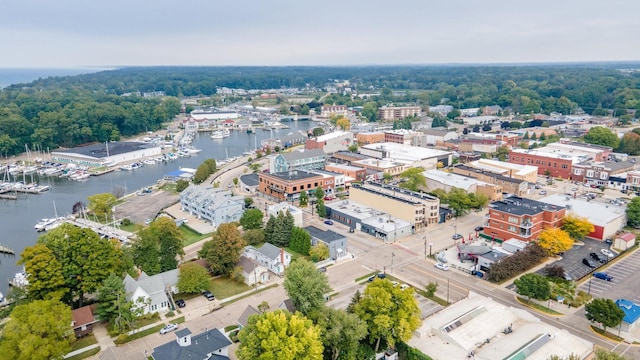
(102, 229)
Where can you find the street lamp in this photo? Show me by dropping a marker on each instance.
(392, 256)
(589, 291)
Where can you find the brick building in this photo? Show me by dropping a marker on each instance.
(369, 138)
(520, 218)
(287, 186)
(390, 113)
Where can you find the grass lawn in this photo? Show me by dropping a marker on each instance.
(191, 236)
(84, 342)
(223, 287)
(134, 228)
(294, 255)
(538, 307)
(606, 334)
(84, 355)
(123, 339)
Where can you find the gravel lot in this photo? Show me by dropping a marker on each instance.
(140, 208)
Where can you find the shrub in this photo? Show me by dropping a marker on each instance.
(516, 263)
(170, 314)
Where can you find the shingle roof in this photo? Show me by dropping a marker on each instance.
(82, 316)
(326, 236)
(201, 345)
(153, 285)
(244, 318)
(269, 250)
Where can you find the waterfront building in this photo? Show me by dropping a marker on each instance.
(297, 160)
(108, 154)
(217, 206)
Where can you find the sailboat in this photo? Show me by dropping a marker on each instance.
(48, 224)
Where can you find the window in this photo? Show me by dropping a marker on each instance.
(577, 171)
(514, 220)
(511, 228)
(590, 173)
(603, 175)
(565, 166)
(295, 188)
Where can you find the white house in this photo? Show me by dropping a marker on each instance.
(252, 272)
(270, 256)
(154, 291)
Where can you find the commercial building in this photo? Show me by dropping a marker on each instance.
(599, 173)
(432, 137)
(415, 156)
(447, 181)
(374, 222)
(107, 154)
(509, 185)
(354, 172)
(284, 142)
(333, 110)
(331, 142)
(283, 208)
(520, 218)
(527, 173)
(217, 206)
(297, 160)
(287, 186)
(390, 113)
(366, 138)
(399, 136)
(336, 243)
(416, 208)
(607, 219)
(631, 314)
(376, 167)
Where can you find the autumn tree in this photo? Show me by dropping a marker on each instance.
(253, 237)
(46, 279)
(389, 312)
(319, 252)
(533, 285)
(604, 311)
(279, 335)
(193, 278)
(576, 226)
(40, 329)
(341, 333)
(413, 179)
(223, 250)
(343, 123)
(306, 286)
(158, 246)
(554, 240)
(102, 204)
(251, 219)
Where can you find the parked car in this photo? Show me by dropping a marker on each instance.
(609, 241)
(607, 253)
(597, 257)
(180, 303)
(379, 275)
(456, 237)
(168, 328)
(479, 228)
(208, 295)
(404, 286)
(543, 192)
(602, 276)
(589, 263)
(442, 266)
(328, 222)
(477, 273)
(322, 269)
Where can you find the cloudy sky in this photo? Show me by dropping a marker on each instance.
(70, 33)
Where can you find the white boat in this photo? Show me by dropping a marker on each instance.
(53, 225)
(40, 225)
(219, 134)
(81, 176)
(149, 161)
(19, 279)
(226, 133)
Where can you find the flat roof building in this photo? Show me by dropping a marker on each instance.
(520, 218)
(287, 186)
(428, 158)
(528, 173)
(108, 154)
(437, 179)
(374, 222)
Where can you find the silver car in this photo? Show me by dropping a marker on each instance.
(168, 328)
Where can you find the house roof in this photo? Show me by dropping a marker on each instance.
(269, 250)
(153, 285)
(631, 310)
(247, 265)
(326, 236)
(288, 305)
(244, 318)
(201, 345)
(627, 237)
(82, 316)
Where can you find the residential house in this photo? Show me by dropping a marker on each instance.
(336, 243)
(243, 320)
(270, 256)
(520, 218)
(218, 206)
(153, 293)
(208, 345)
(284, 207)
(83, 320)
(297, 160)
(252, 272)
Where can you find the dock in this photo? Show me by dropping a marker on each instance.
(102, 229)
(5, 250)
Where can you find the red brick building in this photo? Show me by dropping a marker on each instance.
(287, 186)
(555, 165)
(521, 218)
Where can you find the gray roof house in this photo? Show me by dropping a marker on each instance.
(154, 291)
(336, 243)
(244, 317)
(217, 206)
(298, 160)
(270, 256)
(209, 345)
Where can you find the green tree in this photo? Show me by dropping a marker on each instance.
(279, 335)
(304, 198)
(306, 286)
(454, 114)
(321, 209)
(577, 227)
(300, 241)
(85, 261)
(102, 204)
(389, 312)
(40, 329)
(413, 179)
(604, 354)
(633, 213)
(353, 148)
(223, 250)
(387, 177)
(604, 311)
(193, 278)
(248, 202)
(319, 193)
(317, 131)
(255, 167)
(158, 246)
(253, 237)
(341, 333)
(181, 185)
(46, 279)
(114, 307)
(355, 299)
(599, 135)
(533, 285)
(251, 219)
(319, 252)
(370, 111)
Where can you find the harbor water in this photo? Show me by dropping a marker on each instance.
(18, 217)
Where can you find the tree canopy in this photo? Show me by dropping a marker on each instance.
(193, 278)
(554, 240)
(306, 286)
(101, 205)
(223, 250)
(576, 226)
(413, 179)
(341, 332)
(604, 311)
(40, 329)
(633, 212)
(158, 246)
(251, 219)
(599, 135)
(279, 335)
(533, 285)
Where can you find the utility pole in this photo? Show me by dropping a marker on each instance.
(392, 256)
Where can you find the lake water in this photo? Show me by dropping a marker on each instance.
(17, 217)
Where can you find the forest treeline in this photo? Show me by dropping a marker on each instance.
(72, 110)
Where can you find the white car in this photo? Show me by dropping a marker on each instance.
(404, 286)
(442, 266)
(168, 328)
(607, 253)
(395, 283)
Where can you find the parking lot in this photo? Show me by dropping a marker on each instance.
(139, 208)
(625, 282)
(572, 260)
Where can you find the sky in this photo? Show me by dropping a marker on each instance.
(78, 33)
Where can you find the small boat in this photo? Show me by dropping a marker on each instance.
(250, 131)
(81, 176)
(19, 279)
(226, 133)
(218, 134)
(149, 161)
(40, 225)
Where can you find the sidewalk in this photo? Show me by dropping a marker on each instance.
(79, 351)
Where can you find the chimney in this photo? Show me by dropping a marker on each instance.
(282, 257)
